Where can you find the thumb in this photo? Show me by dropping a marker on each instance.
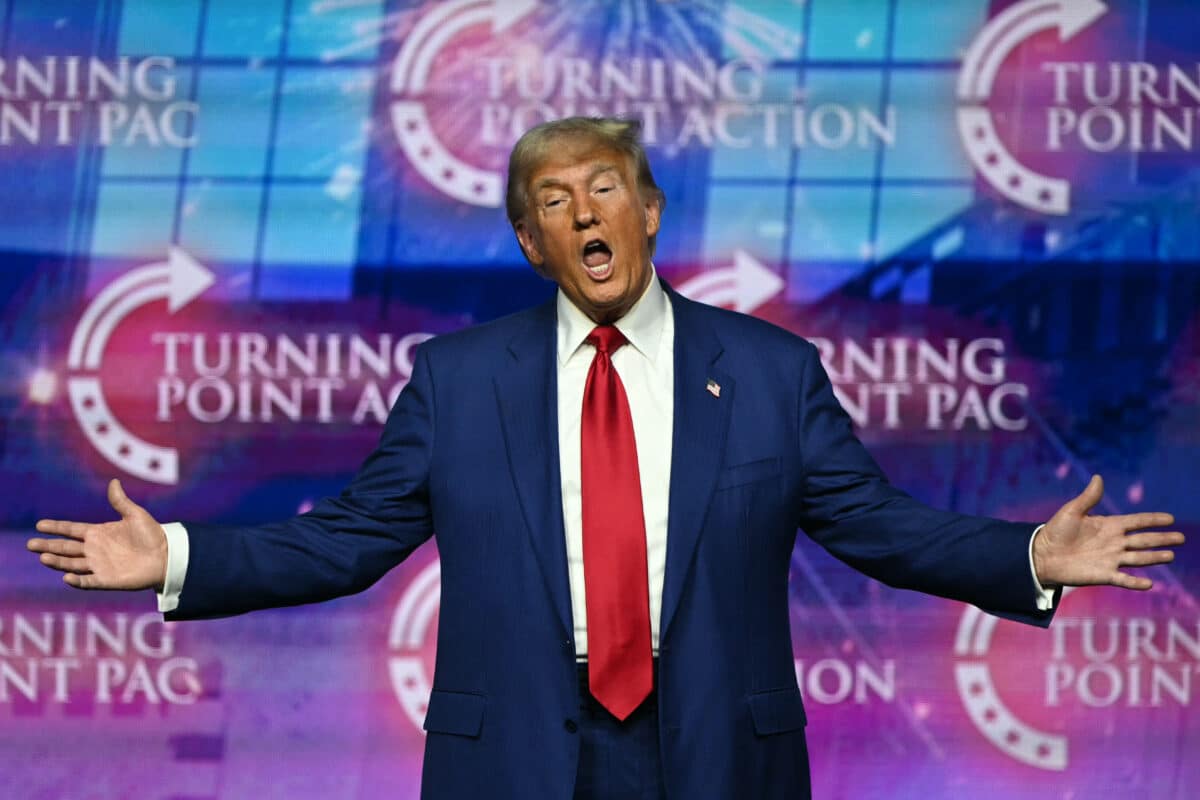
(1089, 497)
(119, 500)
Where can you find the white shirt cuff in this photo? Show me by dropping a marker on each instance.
(1045, 597)
(177, 562)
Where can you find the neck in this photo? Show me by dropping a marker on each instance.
(608, 316)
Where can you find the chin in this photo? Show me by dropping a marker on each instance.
(608, 301)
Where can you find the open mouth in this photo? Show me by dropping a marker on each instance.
(597, 258)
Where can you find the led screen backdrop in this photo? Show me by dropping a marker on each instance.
(226, 226)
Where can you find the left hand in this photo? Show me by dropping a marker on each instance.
(129, 553)
(1077, 549)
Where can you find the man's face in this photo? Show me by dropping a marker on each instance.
(587, 227)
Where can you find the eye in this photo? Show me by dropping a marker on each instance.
(603, 189)
(554, 201)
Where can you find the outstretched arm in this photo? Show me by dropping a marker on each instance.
(851, 510)
(341, 546)
(129, 553)
(1076, 548)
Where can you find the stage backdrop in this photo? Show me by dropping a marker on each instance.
(227, 225)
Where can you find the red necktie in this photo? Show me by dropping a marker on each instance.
(620, 669)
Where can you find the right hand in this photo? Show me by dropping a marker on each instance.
(129, 554)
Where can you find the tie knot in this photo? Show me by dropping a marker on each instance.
(606, 339)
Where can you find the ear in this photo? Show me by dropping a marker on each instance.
(528, 243)
(653, 209)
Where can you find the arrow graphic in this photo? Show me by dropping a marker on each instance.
(412, 43)
(410, 119)
(426, 38)
(1009, 30)
(87, 323)
(995, 43)
(502, 15)
(178, 280)
(744, 286)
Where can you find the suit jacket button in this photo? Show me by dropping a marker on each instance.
(570, 726)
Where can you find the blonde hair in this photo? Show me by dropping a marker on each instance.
(534, 145)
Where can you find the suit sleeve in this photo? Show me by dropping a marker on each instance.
(849, 508)
(343, 545)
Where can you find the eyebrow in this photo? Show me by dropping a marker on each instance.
(554, 183)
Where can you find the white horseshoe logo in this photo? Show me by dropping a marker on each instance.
(745, 285)
(406, 638)
(410, 74)
(987, 711)
(178, 280)
(976, 127)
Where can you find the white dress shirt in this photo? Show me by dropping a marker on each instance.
(647, 369)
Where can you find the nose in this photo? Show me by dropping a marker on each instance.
(585, 215)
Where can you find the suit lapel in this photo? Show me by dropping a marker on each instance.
(697, 445)
(527, 393)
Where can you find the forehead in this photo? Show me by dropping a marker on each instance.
(572, 160)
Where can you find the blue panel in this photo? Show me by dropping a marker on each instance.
(220, 222)
(323, 122)
(763, 30)
(430, 230)
(831, 223)
(52, 26)
(299, 282)
(929, 146)
(833, 97)
(848, 29)
(809, 281)
(334, 32)
(145, 159)
(731, 161)
(908, 212)
(235, 116)
(751, 218)
(308, 225)
(134, 220)
(154, 27)
(955, 21)
(236, 28)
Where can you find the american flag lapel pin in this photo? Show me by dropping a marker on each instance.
(713, 388)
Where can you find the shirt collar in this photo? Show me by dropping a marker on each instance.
(642, 325)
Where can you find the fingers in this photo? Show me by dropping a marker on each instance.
(64, 563)
(1146, 519)
(58, 547)
(1089, 497)
(1146, 558)
(1145, 541)
(80, 581)
(64, 555)
(1135, 582)
(119, 500)
(73, 530)
(1139, 553)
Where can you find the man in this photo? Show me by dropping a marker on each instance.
(615, 479)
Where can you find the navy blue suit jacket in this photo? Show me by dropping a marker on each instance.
(470, 452)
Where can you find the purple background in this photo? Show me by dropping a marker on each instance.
(296, 195)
